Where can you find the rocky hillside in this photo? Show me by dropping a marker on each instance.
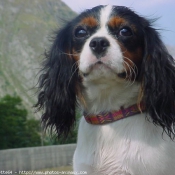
(25, 27)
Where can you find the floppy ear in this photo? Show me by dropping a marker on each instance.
(158, 82)
(58, 85)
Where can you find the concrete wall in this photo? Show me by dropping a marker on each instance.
(36, 158)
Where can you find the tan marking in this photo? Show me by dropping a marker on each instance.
(135, 56)
(89, 21)
(75, 55)
(131, 59)
(80, 95)
(78, 86)
(116, 22)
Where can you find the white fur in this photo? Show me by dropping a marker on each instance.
(132, 146)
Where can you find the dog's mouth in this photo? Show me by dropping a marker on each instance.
(99, 65)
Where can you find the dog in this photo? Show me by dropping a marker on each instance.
(112, 64)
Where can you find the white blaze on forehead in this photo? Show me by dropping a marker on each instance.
(104, 18)
(105, 14)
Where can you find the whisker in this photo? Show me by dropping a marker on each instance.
(75, 64)
(132, 63)
(126, 65)
(128, 77)
(132, 72)
(69, 54)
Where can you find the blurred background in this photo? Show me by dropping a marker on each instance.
(25, 30)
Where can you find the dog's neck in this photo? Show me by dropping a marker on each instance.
(109, 117)
(109, 95)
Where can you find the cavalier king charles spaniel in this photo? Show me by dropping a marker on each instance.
(111, 63)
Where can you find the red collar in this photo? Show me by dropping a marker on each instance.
(109, 117)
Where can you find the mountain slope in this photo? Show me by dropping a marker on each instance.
(24, 31)
(25, 26)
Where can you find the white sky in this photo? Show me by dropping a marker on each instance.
(165, 9)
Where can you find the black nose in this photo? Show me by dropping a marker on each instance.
(99, 46)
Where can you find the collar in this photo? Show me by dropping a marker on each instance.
(109, 117)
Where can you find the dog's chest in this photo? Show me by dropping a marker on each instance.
(123, 149)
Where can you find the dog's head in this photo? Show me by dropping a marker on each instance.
(110, 38)
(106, 42)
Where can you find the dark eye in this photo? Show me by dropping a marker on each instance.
(125, 32)
(80, 33)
